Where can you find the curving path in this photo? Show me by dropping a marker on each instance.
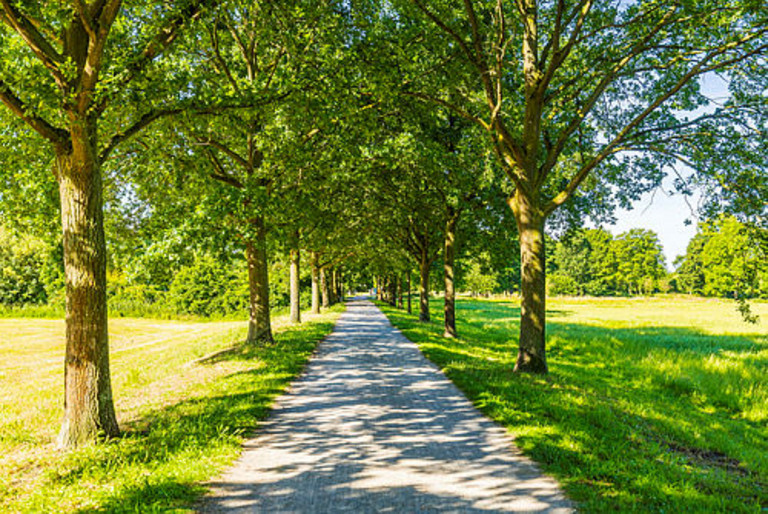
(372, 426)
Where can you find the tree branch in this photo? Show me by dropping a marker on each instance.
(221, 174)
(560, 55)
(582, 113)
(53, 134)
(614, 145)
(134, 129)
(44, 51)
(209, 141)
(218, 57)
(448, 30)
(448, 105)
(101, 29)
(85, 18)
(163, 39)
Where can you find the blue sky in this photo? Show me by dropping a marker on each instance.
(665, 215)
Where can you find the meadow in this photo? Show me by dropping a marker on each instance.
(651, 404)
(186, 395)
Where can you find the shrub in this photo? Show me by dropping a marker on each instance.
(22, 261)
(208, 288)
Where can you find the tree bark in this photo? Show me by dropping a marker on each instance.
(259, 325)
(334, 289)
(295, 289)
(88, 407)
(324, 289)
(410, 311)
(399, 291)
(315, 284)
(449, 254)
(531, 356)
(424, 286)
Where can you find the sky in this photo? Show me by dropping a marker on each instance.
(665, 215)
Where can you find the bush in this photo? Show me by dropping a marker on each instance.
(479, 278)
(209, 288)
(561, 284)
(139, 300)
(279, 284)
(22, 261)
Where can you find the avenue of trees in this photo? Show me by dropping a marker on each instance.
(721, 261)
(238, 155)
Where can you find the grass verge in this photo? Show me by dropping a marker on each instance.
(184, 418)
(651, 405)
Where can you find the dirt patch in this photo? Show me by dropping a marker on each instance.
(709, 458)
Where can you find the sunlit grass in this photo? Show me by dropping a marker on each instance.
(654, 404)
(183, 418)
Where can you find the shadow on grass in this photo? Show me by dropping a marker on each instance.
(630, 419)
(161, 459)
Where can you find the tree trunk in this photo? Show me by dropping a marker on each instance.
(88, 408)
(382, 289)
(410, 311)
(315, 284)
(449, 309)
(259, 325)
(334, 289)
(424, 286)
(531, 356)
(295, 289)
(399, 291)
(324, 290)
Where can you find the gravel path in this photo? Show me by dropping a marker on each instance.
(372, 426)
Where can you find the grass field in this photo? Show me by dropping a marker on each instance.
(183, 417)
(651, 405)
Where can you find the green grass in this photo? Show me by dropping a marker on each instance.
(651, 405)
(184, 418)
(118, 309)
(49, 311)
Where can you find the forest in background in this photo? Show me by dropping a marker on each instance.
(172, 277)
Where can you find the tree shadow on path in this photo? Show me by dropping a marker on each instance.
(372, 426)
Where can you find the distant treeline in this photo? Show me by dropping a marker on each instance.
(161, 281)
(726, 258)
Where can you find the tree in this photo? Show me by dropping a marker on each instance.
(572, 258)
(409, 205)
(478, 279)
(593, 262)
(572, 94)
(732, 260)
(603, 262)
(688, 268)
(462, 182)
(80, 79)
(639, 261)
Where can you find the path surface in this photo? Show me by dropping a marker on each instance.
(372, 426)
